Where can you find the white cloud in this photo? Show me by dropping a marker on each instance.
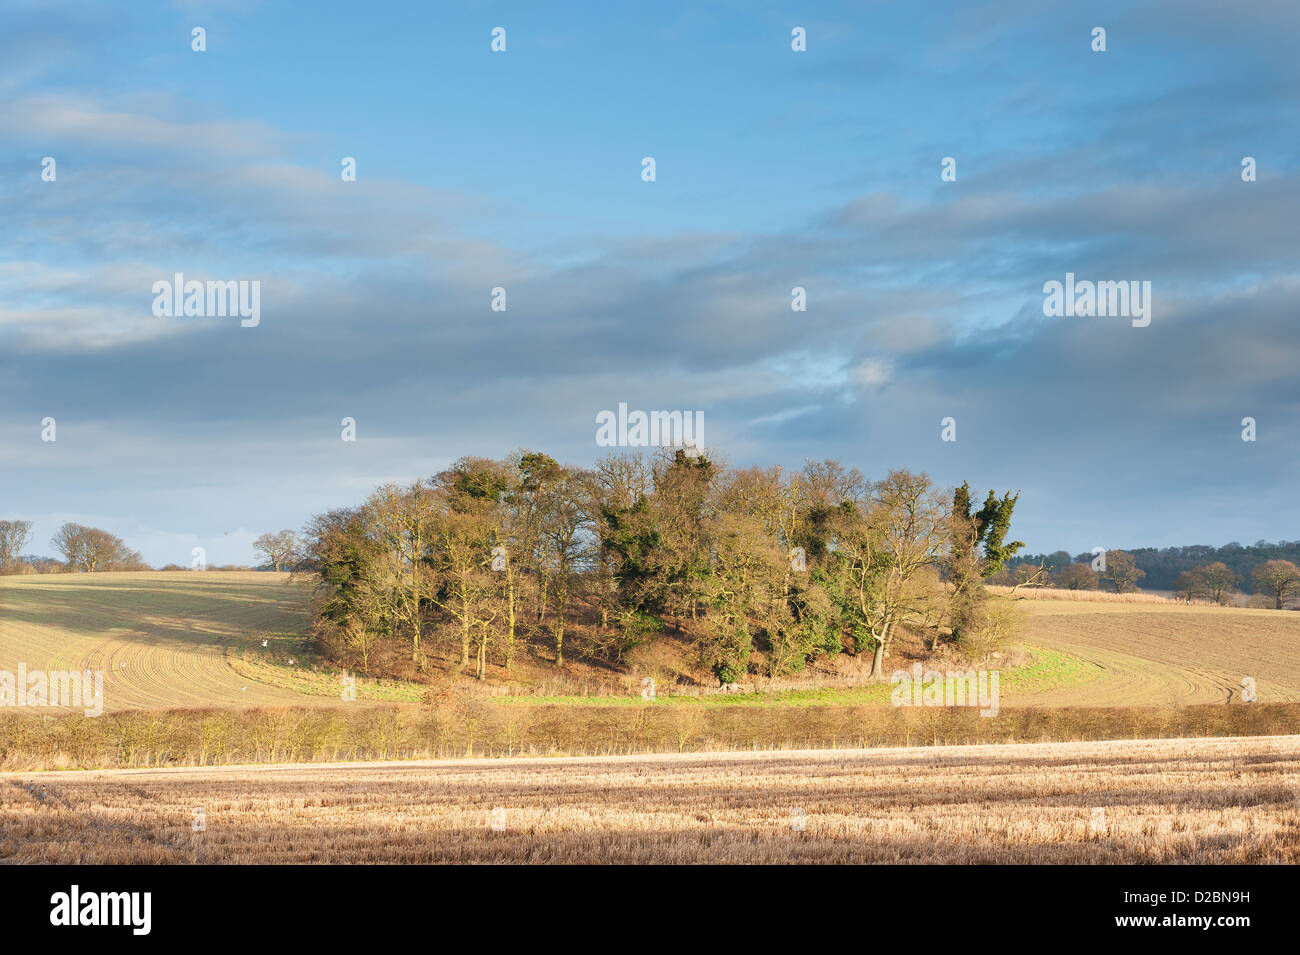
(873, 373)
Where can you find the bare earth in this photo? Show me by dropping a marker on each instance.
(159, 638)
(1165, 654)
(1154, 801)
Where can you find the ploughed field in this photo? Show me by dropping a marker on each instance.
(1216, 801)
(161, 639)
(1164, 653)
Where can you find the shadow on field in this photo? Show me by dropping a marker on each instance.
(83, 605)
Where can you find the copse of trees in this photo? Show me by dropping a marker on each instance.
(1216, 582)
(87, 549)
(91, 549)
(489, 557)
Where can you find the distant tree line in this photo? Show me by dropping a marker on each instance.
(1198, 571)
(94, 550)
(760, 569)
(90, 549)
(86, 549)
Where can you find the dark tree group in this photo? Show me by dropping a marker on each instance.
(758, 568)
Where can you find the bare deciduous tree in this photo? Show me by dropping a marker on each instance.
(1280, 579)
(1077, 576)
(1215, 582)
(880, 549)
(1122, 571)
(404, 526)
(14, 536)
(280, 549)
(92, 549)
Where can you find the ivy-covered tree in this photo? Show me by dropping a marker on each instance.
(979, 550)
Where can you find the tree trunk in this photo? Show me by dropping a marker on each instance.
(510, 631)
(877, 663)
(561, 599)
(415, 617)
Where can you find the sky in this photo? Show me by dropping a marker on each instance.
(522, 169)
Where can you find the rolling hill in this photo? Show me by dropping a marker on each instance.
(186, 639)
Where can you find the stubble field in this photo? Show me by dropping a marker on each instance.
(1220, 801)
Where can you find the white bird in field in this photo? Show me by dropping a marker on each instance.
(263, 643)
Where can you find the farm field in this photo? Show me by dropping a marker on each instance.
(1216, 801)
(160, 638)
(188, 640)
(1163, 654)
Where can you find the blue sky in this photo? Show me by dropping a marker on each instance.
(522, 170)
